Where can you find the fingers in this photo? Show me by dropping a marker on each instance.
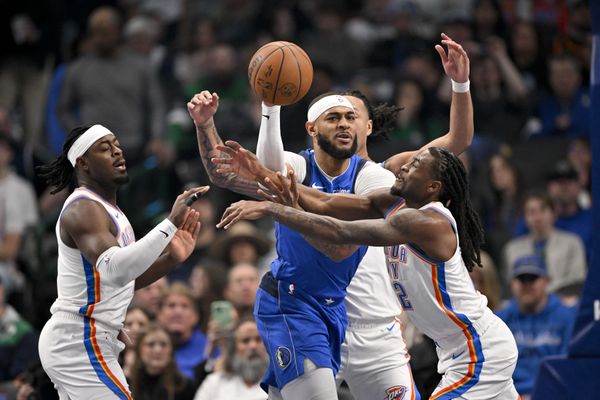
(233, 144)
(191, 217)
(230, 216)
(226, 149)
(196, 230)
(221, 160)
(442, 53)
(293, 183)
(193, 194)
(265, 196)
(269, 184)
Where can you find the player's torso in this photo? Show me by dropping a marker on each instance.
(438, 296)
(81, 289)
(299, 262)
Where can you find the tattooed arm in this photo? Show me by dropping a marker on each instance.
(202, 107)
(425, 228)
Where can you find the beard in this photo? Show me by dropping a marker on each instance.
(121, 180)
(396, 189)
(249, 369)
(339, 154)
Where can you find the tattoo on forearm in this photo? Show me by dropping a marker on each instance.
(208, 140)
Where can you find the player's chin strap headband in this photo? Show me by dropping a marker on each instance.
(85, 141)
(325, 104)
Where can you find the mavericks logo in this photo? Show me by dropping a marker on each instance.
(395, 393)
(283, 356)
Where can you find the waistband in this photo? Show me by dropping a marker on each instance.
(480, 325)
(271, 285)
(364, 323)
(80, 318)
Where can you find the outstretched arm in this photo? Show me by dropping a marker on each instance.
(406, 226)
(242, 162)
(460, 135)
(201, 108)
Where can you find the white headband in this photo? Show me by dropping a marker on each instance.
(85, 141)
(325, 104)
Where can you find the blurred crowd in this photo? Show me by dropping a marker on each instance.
(132, 65)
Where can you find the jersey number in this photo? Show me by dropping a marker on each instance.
(402, 296)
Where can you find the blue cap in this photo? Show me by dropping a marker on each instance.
(532, 265)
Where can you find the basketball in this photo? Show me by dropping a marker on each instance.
(280, 73)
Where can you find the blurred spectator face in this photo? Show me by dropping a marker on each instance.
(539, 216)
(485, 14)
(580, 155)
(328, 21)
(135, 321)
(410, 97)
(529, 291)
(459, 31)
(6, 154)
(205, 35)
(422, 68)
(242, 285)
(149, 296)
(564, 77)
(155, 351)
(564, 191)
(250, 360)
(486, 74)
(105, 30)
(199, 282)
(179, 316)
(502, 175)
(141, 33)
(283, 25)
(243, 251)
(524, 40)
(224, 60)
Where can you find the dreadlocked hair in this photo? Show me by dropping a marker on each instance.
(383, 115)
(60, 173)
(455, 196)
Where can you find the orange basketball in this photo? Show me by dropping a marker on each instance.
(280, 73)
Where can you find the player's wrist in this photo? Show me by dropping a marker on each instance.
(270, 109)
(460, 87)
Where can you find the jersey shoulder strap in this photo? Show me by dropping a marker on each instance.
(308, 176)
(359, 165)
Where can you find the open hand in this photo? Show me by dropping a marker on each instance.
(240, 162)
(179, 210)
(456, 62)
(284, 192)
(203, 106)
(184, 240)
(249, 210)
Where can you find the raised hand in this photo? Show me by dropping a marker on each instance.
(180, 207)
(284, 192)
(240, 162)
(456, 62)
(249, 210)
(203, 106)
(184, 241)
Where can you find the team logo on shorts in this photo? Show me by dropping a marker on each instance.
(395, 393)
(283, 356)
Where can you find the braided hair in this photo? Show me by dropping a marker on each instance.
(60, 173)
(455, 195)
(383, 115)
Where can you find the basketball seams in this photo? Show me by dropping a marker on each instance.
(276, 86)
(259, 66)
(299, 89)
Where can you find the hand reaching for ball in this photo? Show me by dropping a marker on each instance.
(456, 62)
(203, 106)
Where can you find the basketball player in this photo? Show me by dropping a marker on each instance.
(100, 265)
(431, 244)
(374, 360)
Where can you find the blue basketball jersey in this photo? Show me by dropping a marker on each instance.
(300, 263)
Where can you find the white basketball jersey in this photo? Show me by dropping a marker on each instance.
(369, 295)
(439, 297)
(80, 287)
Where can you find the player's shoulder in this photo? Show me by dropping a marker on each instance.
(81, 212)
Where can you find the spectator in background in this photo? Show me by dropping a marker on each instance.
(154, 375)
(540, 323)
(566, 110)
(562, 252)
(18, 210)
(149, 297)
(242, 284)
(564, 190)
(114, 88)
(501, 209)
(487, 20)
(526, 52)
(207, 283)
(580, 158)
(416, 124)
(136, 320)
(179, 315)
(18, 344)
(486, 281)
(246, 361)
(242, 243)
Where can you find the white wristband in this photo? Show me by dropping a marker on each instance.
(460, 87)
